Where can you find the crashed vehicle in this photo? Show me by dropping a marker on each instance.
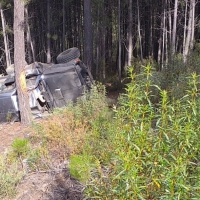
(48, 85)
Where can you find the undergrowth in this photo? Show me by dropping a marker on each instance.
(53, 139)
(147, 150)
(9, 177)
(145, 147)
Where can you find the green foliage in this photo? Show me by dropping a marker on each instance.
(66, 128)
(20, 147)
(177, 72)
(9, 177)
(154, 147)
(79, 167)
(64, 131)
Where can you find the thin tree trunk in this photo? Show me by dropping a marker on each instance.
(185, 31)
(97, 43)
(163, 35)
(103, 46)
(63, 31)
(19, 62)
(139, 31)
(166, 48)
(8, 61)
(151, 52)
(119, 42)
(30, 48)
(173, 42)
(170, 21)
(108, 38)
(189, 32)
(88, 47)
(130, 35)
(193, 24)
(48, 33)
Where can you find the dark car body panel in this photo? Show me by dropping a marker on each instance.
(57, 84)
(8, 105)
(63, 84)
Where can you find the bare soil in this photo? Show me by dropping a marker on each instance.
(53, 184)
(8, 131)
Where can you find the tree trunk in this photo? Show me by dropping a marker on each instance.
(8, 61)
(30, 48)
(97, 39)
(19, 62)
(185, 31)
(190, 29)
(63, 31)
(151, 25)
(139, 31)
(173, 42)
(88, 47)
(48, 33)
(119, 42)
(164, 35)
(193, 24)
(130, 33)
(103, 42)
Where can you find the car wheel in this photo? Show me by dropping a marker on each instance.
(68, 55)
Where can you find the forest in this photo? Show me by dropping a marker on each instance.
(110, 34)
(142, 145)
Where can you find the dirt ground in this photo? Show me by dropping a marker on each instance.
(8, 131)
(53, 184)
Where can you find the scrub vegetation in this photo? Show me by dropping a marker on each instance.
(145, 147)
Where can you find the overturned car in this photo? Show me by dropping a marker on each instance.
(49, 85)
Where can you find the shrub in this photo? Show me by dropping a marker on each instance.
(20, 147)
(66, 128)
(9, 177)
(79, 167)
(155, 147)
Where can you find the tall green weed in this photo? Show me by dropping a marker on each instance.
(9, 177)
(154, 146)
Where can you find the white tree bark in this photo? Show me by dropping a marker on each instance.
(139, 31)
(169, 21)
(185, 30)
(7, 52)
(189, 38)
(30, 48)
(193, 24)
(173, 42)
(130, 34)
(164, 35)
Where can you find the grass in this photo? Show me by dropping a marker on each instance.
(10, 175)
(141, 161)
(57, 137)
(146, 147)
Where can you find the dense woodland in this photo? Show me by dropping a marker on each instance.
(114, 31)
(147, 146)
(109, 33)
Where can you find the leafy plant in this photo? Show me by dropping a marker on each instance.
(20, 147)
(79, 167)
(154, 145)
(9, 177)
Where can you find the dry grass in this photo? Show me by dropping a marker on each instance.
(62, 131)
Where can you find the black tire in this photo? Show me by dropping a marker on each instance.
(68, 55)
